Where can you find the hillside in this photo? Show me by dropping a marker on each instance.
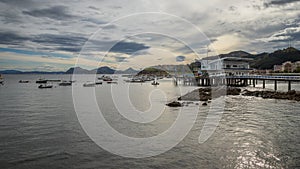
(265, 60)
(153, 71)
(100, 70)
(104, 70)
(268, 60)
(27, 72)
(240, 53)
(77, 70)
(127, 71)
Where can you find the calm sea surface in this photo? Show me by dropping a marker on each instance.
(39, 129)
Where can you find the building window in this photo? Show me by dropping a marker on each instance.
(234, 65)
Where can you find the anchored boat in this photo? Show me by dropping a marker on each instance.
(23, 81)
(45, 86)
(89, 85)
(65, 83)
(41, 81)
(155, 82)
(1, 80)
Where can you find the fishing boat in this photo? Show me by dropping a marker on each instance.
(23, 81)
(45, 86)
(41, 81)
(65, 83)
(89, 85)
(105, 78)
(98, 83)
(53, 80)
(112, 82)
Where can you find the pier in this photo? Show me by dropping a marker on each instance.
(237, 81)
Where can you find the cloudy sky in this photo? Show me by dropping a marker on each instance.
(54, 35)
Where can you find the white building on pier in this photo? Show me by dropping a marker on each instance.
(229, 66)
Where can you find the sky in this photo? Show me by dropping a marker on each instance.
(58, 34)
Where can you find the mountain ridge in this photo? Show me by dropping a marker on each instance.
(265, 60)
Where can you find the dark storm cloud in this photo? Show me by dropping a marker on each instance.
(12, 38)
(19, 3)
(64, 40)
(54, 12)
(10, 16)
(69, 43)
(285, 35)
(50, 41)
(94, 21)
(279, 2)
(290, 37)
(128, 47)
(70, 49)
(180, 58)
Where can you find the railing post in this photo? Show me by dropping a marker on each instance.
(275, 85)
(264, 83)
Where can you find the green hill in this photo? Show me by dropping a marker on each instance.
(268, 60)
(153, 71)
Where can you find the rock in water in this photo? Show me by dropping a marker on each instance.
(174, 104)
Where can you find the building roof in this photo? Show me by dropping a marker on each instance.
(236, 59)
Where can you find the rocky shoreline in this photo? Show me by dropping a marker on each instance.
(290, 95)
(206, 94)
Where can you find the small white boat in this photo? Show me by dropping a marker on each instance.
(155, 82)
(135, 80)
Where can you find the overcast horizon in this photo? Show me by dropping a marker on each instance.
(49, 36)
